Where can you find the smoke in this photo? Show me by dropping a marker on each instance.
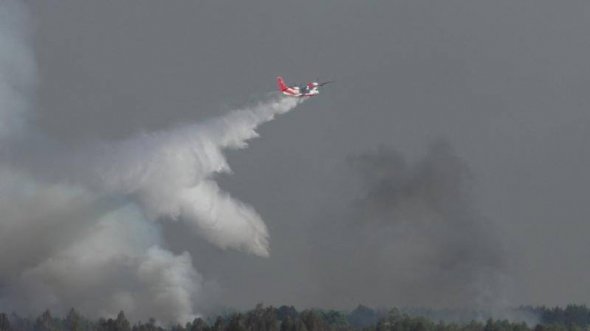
(79, 228)
(421, 218)
(418, 239)
(116, 263)
(17, 67)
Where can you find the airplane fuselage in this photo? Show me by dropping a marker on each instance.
(297, 91)
(308, 90)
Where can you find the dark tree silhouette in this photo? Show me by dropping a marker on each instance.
(4, 323)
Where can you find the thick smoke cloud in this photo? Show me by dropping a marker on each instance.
(115, 263)
(418, 240)
(78, 228)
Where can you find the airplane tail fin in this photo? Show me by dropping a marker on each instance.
(281, 84)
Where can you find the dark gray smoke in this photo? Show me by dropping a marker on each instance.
(412, 237)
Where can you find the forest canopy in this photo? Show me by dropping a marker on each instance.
(287, 318)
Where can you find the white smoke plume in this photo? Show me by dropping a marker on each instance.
(114, 264)
(78, 228)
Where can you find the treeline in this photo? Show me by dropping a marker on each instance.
(570, 316)
(287, 318)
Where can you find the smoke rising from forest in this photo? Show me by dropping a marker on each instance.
(417, 237)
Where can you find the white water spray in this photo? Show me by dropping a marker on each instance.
(63, 246)
(170, 175)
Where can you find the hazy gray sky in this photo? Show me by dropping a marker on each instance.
(504, 84)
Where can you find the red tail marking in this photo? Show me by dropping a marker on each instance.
(281, 83)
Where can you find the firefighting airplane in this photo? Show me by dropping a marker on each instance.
(305, 90)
